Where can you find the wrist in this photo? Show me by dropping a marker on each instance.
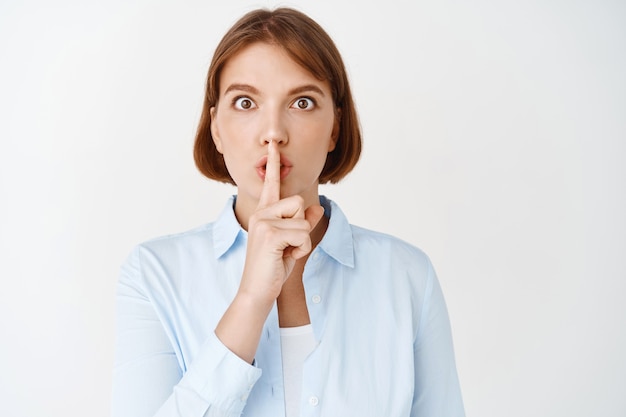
(257, 303)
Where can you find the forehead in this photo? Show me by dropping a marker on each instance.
(268, 66)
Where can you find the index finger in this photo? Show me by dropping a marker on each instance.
(271, 185)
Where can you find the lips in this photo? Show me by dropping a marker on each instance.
(285, 167)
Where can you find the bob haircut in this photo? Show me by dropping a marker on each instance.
(308, 45)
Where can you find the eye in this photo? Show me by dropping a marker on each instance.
(304, 103)
(243, 103)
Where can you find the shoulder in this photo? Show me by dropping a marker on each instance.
(369, 242)
(368, 249)
(389, 271)
(200, 236)
(204, 240)
(153, 257)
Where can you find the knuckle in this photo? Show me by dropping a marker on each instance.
(258, 225)
(264, 228)
(298, 199)
(253, 223)
(271, 233)
(302, 227)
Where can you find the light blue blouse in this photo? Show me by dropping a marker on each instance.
(384, 346)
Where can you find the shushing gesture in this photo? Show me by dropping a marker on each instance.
(278, 236)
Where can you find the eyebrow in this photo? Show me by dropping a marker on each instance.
(305, 88)
(250, 89)
(241, 87)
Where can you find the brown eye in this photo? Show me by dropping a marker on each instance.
(243, 103)
(304, 103)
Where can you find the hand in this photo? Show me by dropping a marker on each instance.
(278, 235)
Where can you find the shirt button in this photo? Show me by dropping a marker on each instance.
(314, 401)
(316, 256)
(316, 299)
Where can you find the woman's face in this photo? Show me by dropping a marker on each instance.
(264, 95)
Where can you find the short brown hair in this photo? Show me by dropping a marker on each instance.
(310, 46)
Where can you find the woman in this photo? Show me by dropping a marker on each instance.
(280, 306)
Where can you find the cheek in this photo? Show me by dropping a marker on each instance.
(317, 129)
(236, 139)
(234, 133)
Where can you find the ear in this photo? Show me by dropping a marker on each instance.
(334, 135)
(215, 131)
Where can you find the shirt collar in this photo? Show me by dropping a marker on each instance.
(336, 243)
(226, 229)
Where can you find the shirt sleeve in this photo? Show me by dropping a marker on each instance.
(147, 378)
(437, 390)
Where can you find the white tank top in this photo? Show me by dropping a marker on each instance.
(296, 344)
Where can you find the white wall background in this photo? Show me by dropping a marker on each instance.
(495, 139)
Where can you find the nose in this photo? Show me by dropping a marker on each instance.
(274, 127)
